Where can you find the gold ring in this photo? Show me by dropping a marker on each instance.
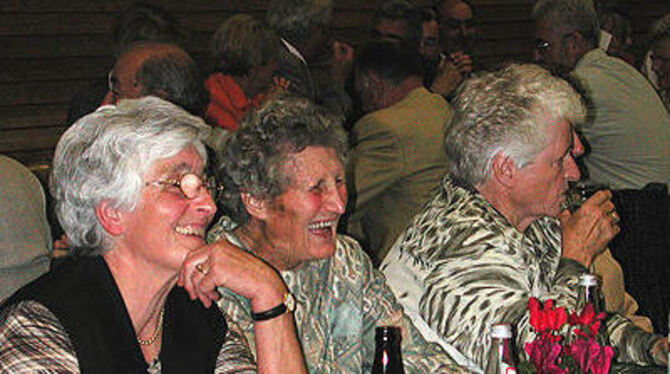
(199, 268)
(614, 216)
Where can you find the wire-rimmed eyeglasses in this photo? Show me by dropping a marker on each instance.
(189, 185)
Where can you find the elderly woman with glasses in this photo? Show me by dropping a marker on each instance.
(284, 192)
(131, 195)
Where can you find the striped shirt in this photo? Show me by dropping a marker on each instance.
(33, 340)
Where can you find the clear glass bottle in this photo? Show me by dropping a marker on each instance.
(500, 358)
(388, 358)
(589, 292)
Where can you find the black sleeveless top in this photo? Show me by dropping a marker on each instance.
(83, 295)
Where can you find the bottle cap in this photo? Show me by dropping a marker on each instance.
(588, 280)
(387, 333)
(501, 331)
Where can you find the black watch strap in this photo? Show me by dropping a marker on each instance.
(269, 314)
(287, 305)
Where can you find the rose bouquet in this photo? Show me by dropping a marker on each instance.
(566, 343)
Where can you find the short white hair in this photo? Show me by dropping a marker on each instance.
(507, 111)
(104, 156)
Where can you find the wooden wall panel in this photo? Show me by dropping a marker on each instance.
(53, 48)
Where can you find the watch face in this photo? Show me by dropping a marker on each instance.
(289, 301)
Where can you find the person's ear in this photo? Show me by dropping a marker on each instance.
(504, 170)
(111, 218)
(576, 45)
(255, 206)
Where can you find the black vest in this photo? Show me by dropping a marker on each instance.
(83, 295)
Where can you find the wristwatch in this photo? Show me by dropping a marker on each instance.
(287, 305)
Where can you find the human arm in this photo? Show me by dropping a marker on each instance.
(223, 264)
(617, 300)
(33, 340)
(235, 356)
(381, 308)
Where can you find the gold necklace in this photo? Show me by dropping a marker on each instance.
(157, 330)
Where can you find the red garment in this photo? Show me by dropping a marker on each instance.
(227, 103)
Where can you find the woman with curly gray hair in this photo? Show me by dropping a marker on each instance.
(284, 194)
(132, 197)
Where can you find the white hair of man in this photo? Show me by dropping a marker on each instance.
(507, 111)
(569, 16)
(105, 155)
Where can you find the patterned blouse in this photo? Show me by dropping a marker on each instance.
(340, 301)
(462, 267)
(32, 340)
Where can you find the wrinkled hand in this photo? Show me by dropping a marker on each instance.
(446, 79)
(341, 62)
(462, 62)
(659, 352)
(586, 232)
(223, 264)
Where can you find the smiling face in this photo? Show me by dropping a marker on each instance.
(540, 185)
(300, 224)
(165, 225)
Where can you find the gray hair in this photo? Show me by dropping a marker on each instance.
(295, 20)
(660, 30)
(105, 155)
(569, 15)
(243, 42)
(173, 72)
(507, 111)
(144, 21)
(252, 158)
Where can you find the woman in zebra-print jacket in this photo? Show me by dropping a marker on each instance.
(496, 232)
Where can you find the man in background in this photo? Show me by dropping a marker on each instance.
(627, 127)
(396, 159)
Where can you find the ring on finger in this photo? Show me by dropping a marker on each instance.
(614, 216)
(201, 269)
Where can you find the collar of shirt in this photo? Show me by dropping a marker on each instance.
(294, 51)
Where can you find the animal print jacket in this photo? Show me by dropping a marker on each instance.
(461, 267)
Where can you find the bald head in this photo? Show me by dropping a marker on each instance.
(158, 69)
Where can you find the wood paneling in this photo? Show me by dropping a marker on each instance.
(53, 48)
